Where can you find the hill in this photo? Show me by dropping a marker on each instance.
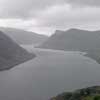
(75, 40)
(11, 54)
(90, 93)
(24, 37)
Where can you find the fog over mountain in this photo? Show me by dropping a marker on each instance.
(24, 37)
(11, 54)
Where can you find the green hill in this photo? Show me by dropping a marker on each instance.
(90, 93)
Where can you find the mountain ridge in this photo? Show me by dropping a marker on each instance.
(23, 37)
(75, 40)
(11, 54)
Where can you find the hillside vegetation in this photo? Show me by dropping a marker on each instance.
(91, 93)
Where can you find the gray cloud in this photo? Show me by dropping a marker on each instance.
(95, 3)
(29, 8)
(64, 15)
(22, 8)
(45, 16)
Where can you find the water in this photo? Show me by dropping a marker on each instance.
(50, 73)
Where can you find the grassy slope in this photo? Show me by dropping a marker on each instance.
(91, 93)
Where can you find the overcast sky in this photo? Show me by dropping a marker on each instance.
(46, 16)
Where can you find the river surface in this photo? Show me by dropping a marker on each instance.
(50, 73)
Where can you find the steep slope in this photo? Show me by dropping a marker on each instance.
(24, 37)
(11, 54)
(73, 39)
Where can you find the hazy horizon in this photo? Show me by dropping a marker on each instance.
(51, 33)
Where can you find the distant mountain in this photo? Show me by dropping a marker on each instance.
(76, 40)
(24, 37)
(90, 93)
(73, 39)
(11, 54)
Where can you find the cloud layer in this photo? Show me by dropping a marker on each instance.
(95, 3)
(22, 8)
(45, 16)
